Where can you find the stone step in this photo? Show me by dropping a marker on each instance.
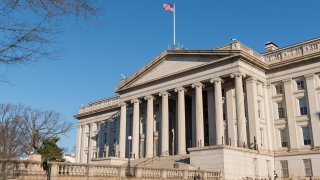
(177, 161)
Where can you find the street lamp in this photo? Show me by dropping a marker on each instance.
(129, 166)
(275, 175)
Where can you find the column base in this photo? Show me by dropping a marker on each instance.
(181, 153)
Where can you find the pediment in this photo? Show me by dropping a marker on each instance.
(167, 64)
(171, 66)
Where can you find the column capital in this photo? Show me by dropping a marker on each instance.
(268, 84)
(164, 93)
(216, 79)
(135, 100)
(309, 76)
(237, 74)
(287, 81)
(122, 103)
(149, 97)
(180, 89)
(252, 79)
(198, 85)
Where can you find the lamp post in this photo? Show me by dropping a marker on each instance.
(129, 165)
(275, 175)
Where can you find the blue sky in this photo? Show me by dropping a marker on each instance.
(134, 32)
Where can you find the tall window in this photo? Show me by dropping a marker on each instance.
(284, 168)
(279, 89)
(259, 109)
(303, 106)
(261, 137)
(300, 84)
(283, 137)
(281, 109)
(307, 167)
(306, 135)
(268, 167)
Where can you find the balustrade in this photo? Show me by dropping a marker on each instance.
(292, 52)
(110, 102)
(175, 174)
(29, 169)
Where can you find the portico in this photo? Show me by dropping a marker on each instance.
(213, 88)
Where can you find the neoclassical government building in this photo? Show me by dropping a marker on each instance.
(230, 108)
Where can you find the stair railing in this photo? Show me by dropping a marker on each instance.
(150, 160)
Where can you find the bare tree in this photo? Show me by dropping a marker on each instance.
(27, 27)
(12, 134)
(18, 125)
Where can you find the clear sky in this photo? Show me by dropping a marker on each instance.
(134, 32)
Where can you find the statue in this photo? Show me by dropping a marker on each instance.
(35, 140)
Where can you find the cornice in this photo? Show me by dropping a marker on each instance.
(94, 112)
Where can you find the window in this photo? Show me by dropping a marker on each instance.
(300, 84)
(306, 135)
(279, 89)
(261, 137)
(268, 167)
(303, 106)
(283, 137)
(259, 109)
(307, 167)
(281, 110)
(284, 168)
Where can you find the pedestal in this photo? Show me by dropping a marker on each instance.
(34, 157)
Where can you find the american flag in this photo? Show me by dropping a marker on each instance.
(168, 7)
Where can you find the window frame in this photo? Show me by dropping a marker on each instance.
(307, 170)
(284, 144)
(300, 84)
(282, 114)
(284, 168)
(303, 109)
(278, 88)
(306, 137)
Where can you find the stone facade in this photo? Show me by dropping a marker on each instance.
(225, 105)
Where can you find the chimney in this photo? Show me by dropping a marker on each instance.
(270, 46)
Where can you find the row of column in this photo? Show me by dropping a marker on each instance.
(199, 123)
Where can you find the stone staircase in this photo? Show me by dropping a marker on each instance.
(177, 162)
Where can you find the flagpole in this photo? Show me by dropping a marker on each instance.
(174, 25)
